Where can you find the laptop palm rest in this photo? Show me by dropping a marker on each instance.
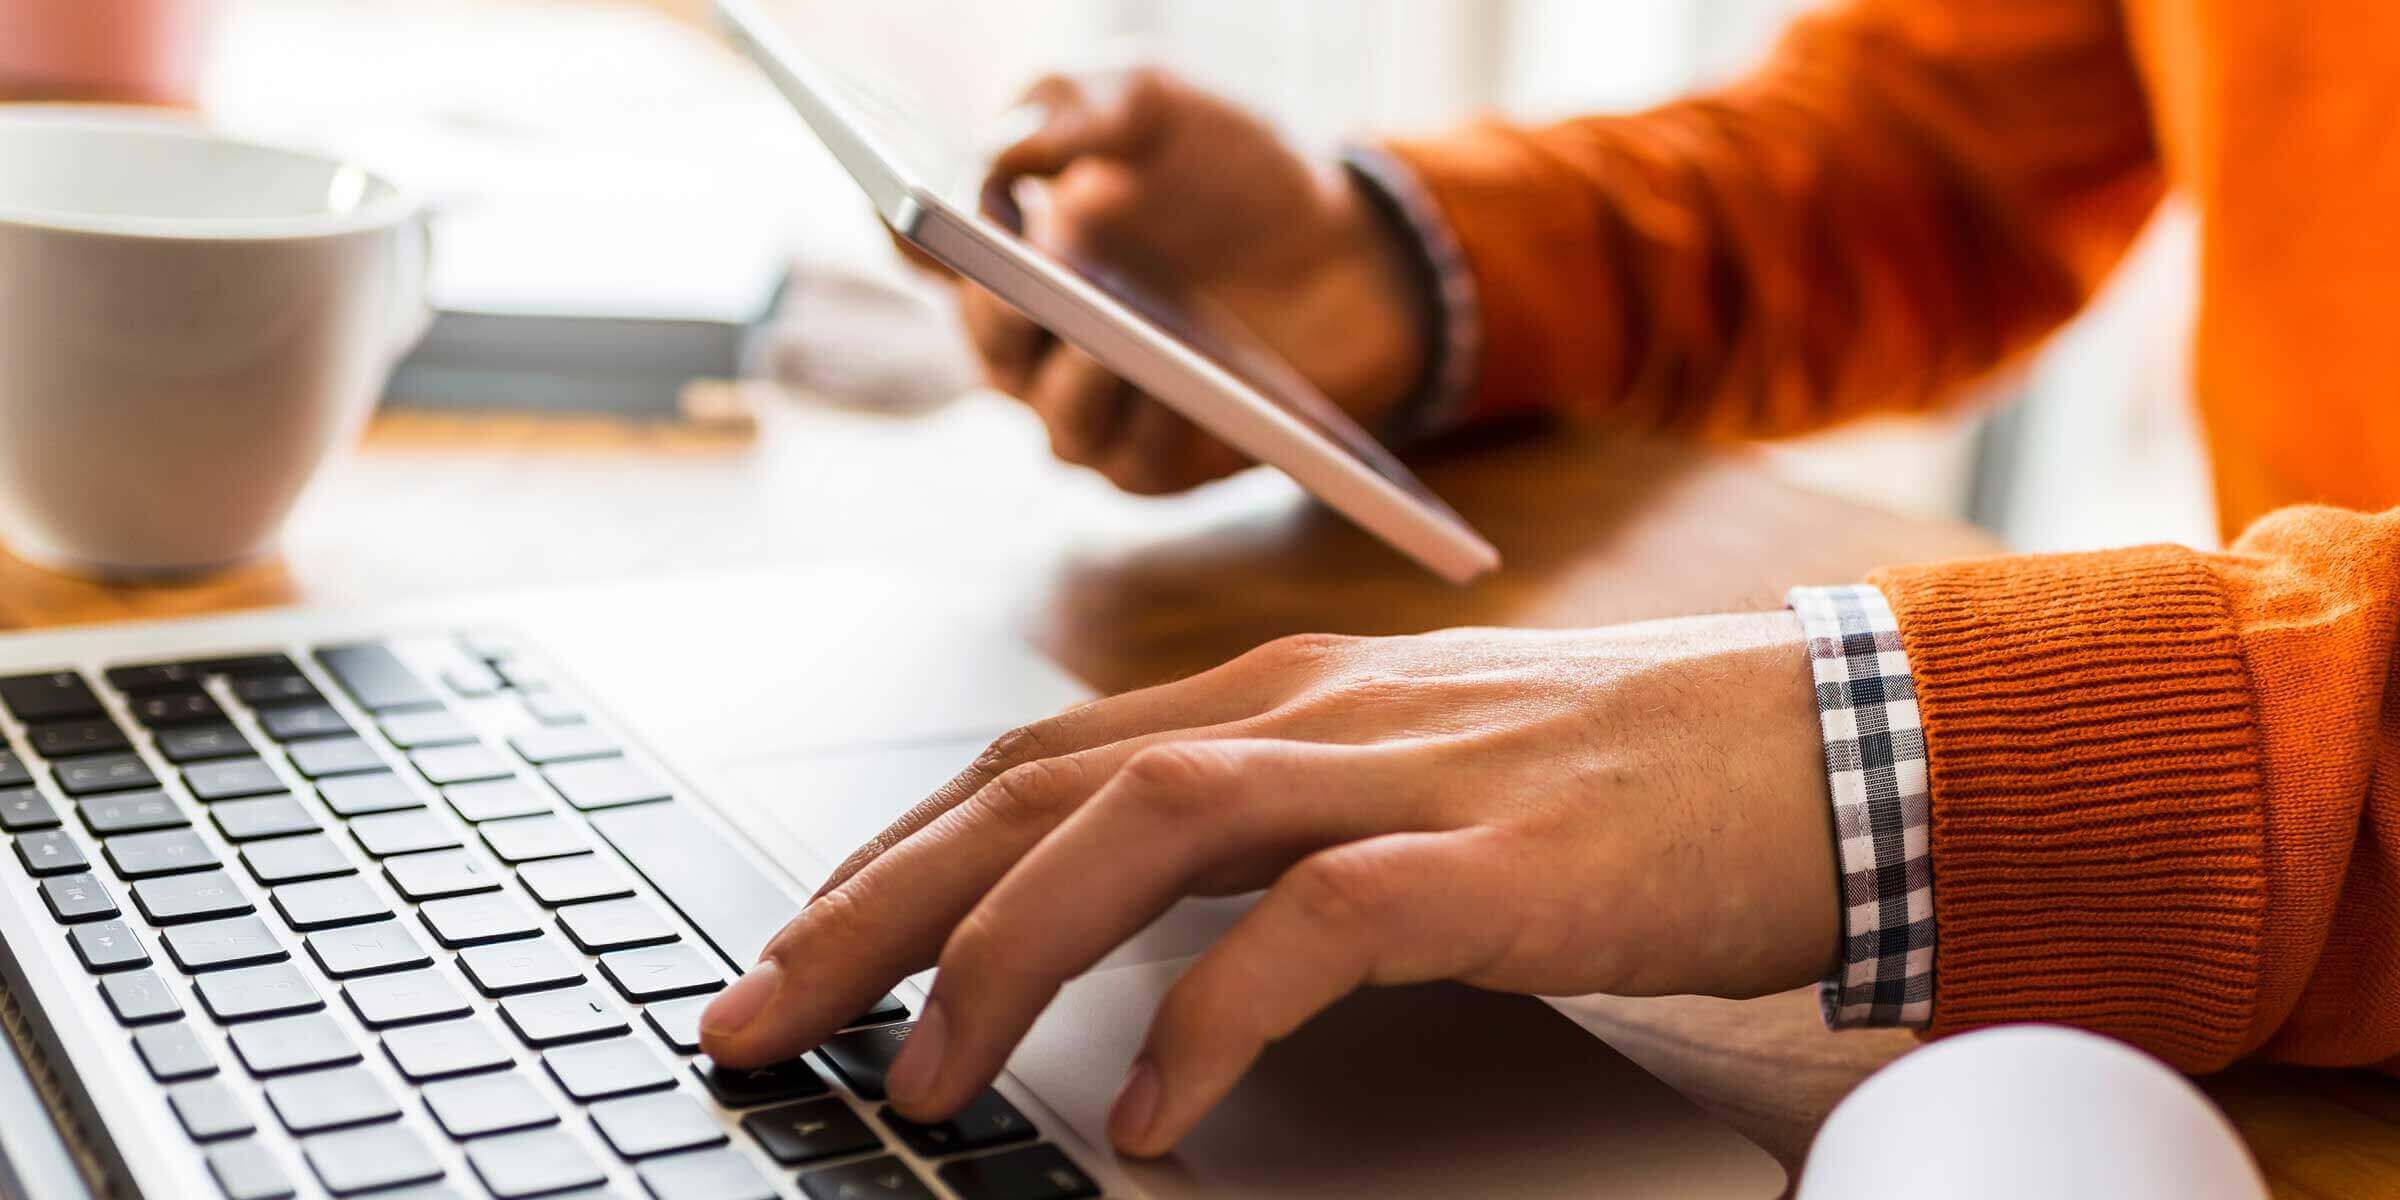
(1434, 1090)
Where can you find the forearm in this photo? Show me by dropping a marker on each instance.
(1908, 194)
(2157, 795)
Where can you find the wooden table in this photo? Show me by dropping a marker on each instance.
(1127, 592)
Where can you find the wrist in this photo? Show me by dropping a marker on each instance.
(1365, 337)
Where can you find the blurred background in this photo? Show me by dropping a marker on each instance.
(623, 206)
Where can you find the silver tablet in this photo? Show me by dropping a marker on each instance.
(1200, 364)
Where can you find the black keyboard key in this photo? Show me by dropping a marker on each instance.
(249, 993)
(209, 1111)
(366, 949)
(563, 743)
(524, 965)
(473, 763)
(530, 839)
(885, 1011)
(50, 852)
(605, 925)
(573, 880)
(473, 920)
(569, 1015)
(370, 1159)
(708, 878)
(661, 973)
(140, 997)
(495, 799)
(132, 812)
(606, 783)
(24, 809)
(66, 739)
(811, 1131)
(359, 795)
(375, 677)
(200, 743)
(241, 666)
(80, 897)
(286, 1044)
(405, 998)
(232, 778)
(410, 831)
(423, 1052)
(302, 722)
(534, 1163)
(247, 1171)
(203, 896)
(108, 946)
(161, 852)
(657, 1123)
(142, 679)
(590, 1071)
(13, 771)
(52, 696)
(172, 1052)
(289, 860)
(267, 691)
(861, 1056)
(322, 1100)
(170, 709)
(482, 1105)
(98, 773)
(217, 945)
(677, 1022)
(988, 1120)
(422, 877)
(432, 727)
(708, 1175)
(262, 817)
(328, 757)
(327, 903)
(884, 1178)
(791, 1079)
(1031, 1173)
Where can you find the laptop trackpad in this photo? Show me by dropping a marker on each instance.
(1436, 1090)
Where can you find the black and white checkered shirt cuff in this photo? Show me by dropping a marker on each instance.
(1882, 811)
(1454, 320)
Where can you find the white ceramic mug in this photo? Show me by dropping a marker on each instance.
(190, 325)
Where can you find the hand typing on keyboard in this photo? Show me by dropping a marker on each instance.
(1637, 810)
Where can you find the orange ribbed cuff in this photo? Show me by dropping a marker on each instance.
(2097, 795)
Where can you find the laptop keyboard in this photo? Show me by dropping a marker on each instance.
(377, 932)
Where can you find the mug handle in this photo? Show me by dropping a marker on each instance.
(412, 304)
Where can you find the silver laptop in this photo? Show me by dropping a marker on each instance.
(425, 903)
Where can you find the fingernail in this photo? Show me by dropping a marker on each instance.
(920, 1058)
(1137, 1105)
(736, 1007)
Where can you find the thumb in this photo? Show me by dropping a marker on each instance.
(1095, 116)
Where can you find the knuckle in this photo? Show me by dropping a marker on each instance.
(1178, 783)
(833, 918)
(1031, 794)
(1024, 744)
(1301, 651)
(1339, 890)
(970, 946)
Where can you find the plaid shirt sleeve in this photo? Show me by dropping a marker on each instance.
(1453, 317)
(1875, 764)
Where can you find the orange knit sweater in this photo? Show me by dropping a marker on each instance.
(2166, 784)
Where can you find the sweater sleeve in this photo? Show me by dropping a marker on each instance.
(2165, 790)
(1907, 194)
